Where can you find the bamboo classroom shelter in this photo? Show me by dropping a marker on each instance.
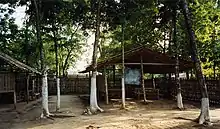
(146, 60)
(9, 69)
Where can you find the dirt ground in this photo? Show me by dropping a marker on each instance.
(158, 114)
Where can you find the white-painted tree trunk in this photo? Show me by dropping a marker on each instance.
(177, 76)
(93, 96)
(204, 114)
(123, 91)
(58, 94)
(106, 87)
(179, 100)
(45, 96)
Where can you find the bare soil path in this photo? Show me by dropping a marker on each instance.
(159, 114)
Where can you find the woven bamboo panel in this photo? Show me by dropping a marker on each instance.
(7, 82)
(191, 90)
(69, 85)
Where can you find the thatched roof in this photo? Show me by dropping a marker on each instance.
(17, 63)
(154, 62)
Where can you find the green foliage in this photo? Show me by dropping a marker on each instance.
(69, 49)
(22, 43)
(139, 19)
(146, 23)
(8, 29)
(206, 19)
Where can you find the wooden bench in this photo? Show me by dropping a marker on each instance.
(150, 93)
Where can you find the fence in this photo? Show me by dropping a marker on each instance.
(191, 90)
(73, 85)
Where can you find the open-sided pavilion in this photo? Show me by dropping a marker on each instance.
(145, 60)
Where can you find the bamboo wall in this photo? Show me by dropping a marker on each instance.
(76, 85)
(7, 82)
(191, 90)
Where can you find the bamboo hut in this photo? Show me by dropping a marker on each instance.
(143, 60)
(10, 68)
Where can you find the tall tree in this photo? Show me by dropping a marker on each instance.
(204, 115)
(45, 112)
(57, 62)
(178, 86)
(123, 68)
(93, 96)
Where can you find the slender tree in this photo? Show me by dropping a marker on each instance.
(57, 64)
(123, 68)
(204, 114)
(45, 111)
(93, 96)
(178, 86)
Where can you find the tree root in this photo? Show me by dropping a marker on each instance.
(180, 109)
(46, 116)
(92, 111)
(204, 117)
(100, 109)
(203, 121)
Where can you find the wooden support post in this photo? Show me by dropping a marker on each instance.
(33, 85)
(38, 85)
(142, 78)
(15, 100)
(89, 82)
(113, 75)
(33, 88)
(27, 87)
(153, 81)
(187, 75)
(106, 87)
(192, 74)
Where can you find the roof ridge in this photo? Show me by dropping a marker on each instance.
(17, 63)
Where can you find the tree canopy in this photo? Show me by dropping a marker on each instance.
(146, 23)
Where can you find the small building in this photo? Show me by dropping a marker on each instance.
(10, 71)
(137, 60)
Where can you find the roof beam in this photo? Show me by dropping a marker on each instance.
(160, 64)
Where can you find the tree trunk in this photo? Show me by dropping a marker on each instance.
(27, 86)
(169, 87)
(58, 94)
(123, 71)
(93, 92)
(66, 62)
(45, 96)
(26, 44)
(106, 87)
(177, 78)
(57, 65)
(142, 80)
(204, 114)
(45, 111)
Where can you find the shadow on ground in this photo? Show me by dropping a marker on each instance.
(158, 114)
